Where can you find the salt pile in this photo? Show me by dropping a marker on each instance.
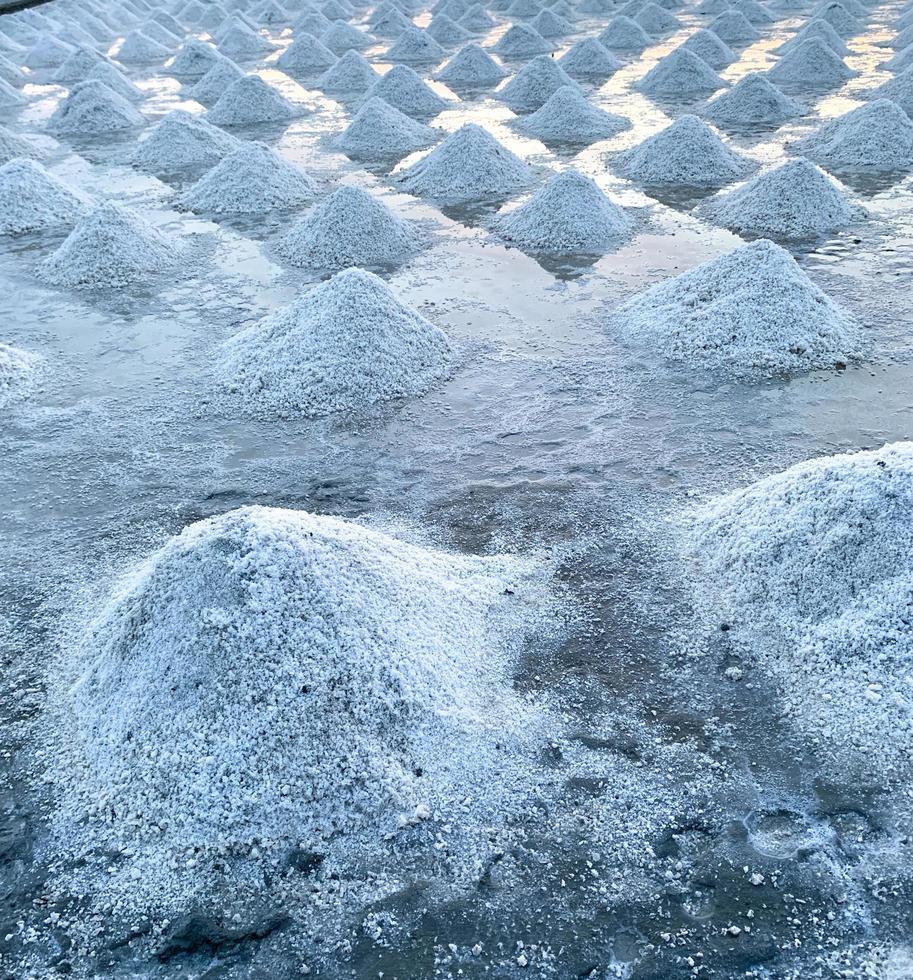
(348, 228)
(820, 29)
(876, 137)
(182, 140)
(195, 58)
(752, 101)
(794, 201)
(168, 22)
(753, 11)
(346, 345)
(12, 74)
(680, 73)
(337, 11)
(31, 199)
(734, 28)
(812, 567)
(253, 178)
(476, 20)
(470, 165)
(92, 108)
(343, 37)
(708, 47)
(402, 88)
(812, 62)
(471, 66)
(568, 215)
(243, 43)
(898, 89)
(589, 59)
(567, 117)
(307, 56)
(47, 53)
(523, 9)
(686, 152)
(656, 21)
(534, 84)
(549, 24)
(79, 64)
(18, 369)
(110, 247)
(116, 81)
(138, 48)
(154, 30)
(312, 23)
(9, 97)
(351, 75)
(249, 101)
(752, 310)
(839, 18)
(380, 132)
(271, 13)
(210, 87)
(12, 146)
(623, 34)
(900, 61)
(446, 31)
(415, 46)
(392, 24)
(521, 41)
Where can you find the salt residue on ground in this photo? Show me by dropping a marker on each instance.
(18, 371)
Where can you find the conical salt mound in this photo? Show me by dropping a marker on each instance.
(752, 101)
(154, 30)
(351, 75)
(392, 24)
(534, 84)
(344, 346)
(78, 65)
(521, 41)
(898, 89)
(623, 34)
(686, 152)
(447, 32)
(549, 24)
(823, 31)
(208, 90)
(13, 146)
(680, 73)
(523, 9)
(115, 80)
(49, 52)
(734, 28)
(476, 20)
(271, 13)
(250, 101)
(18, 369)
(312, 23)
(137, 48)
(195, 58)
(9, 97)
(810, 63)
(253, 178)
(656, 21)
(242, 43)
(402, 88)
(92, 109)
(31, 199)
(793, 202)
(348, 228)
(839, 18)
(471, 66)
(110, 247)
(708, 47)
(753, 12)
(752, 310)
(470, 165)
(380, 132)
(168, 22)
(12, 74)
(589, 60)
(568, 215)
(182, 140)
(306, 56)
(567, 117)
(875, 138)
(416, 47)
(343, 37)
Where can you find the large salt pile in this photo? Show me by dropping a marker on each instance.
(752, 101)
(752, 310)
(416, 47)
(110, 247)
(250, 101)
(380, 132)
(656, 21)
(182, 140)
(391, 24)
(49, 52)
(350, 227)
(569, 214)
(312, 23)
(686, 152)
(813, 570)
(343, 37)
(92, 108)
(549, 24)
(476, 20)
(243, 43)
(306, 56)
(708, 47)
(820, 29)
(32, 199)
(794, 201)
(734, 28)
(623, 34)
(346, 345)
(195, 58)
(898, 89)
(810, 63)
(18, 369)
(680, 74)
(470, 165)
(839, 18)
(13, 146)
(208, 89)
(251, 179)
(117, 81)
(589, 59)
(521, 41)
(446, 31)
(351, 75)
(402, 88)
(79, 64)
(534, 84)
(138, 48)
(472, 66)
(567, 117)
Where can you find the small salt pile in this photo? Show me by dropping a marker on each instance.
(49, 52)
(549, 24)
(753, 12)
(139, 49)
(415, 47)
(195, 58)
(734, 28)
(346, 345)
(348, 228)
(351, 75)
(270, 13)
(521, 41)
(680, 74)
(810, 63)
(154, 30)
(839, 18)
(752, 310)
(567, 117)
(18, 369)
(168, 22)
(12, 74)
(470, 165)
(9, 97)
(306, 56)
(569, 215)
(242, 43)
(182, 140)
(534, 84)
(792, 202)
(250, 101)
(820, 29)
(623, 34)
(589, 60)
(116, 81)
(253, 178)
(392, 24)
(110, 247)
(523, 9)
(31, 199)
(343, 37)
(446, 31)
(898, 89)
(12, 146)
(708, 47)
(92, 108)
(380, 132)
(79, 64)
(476, 20)
(402, 88)
(208, 90)
(656, 21)
(900, 61)
(686, 152)
(312, 23)
(337, 11)
(875, 138)
(472, 66)
(752, 101)
(903, 40)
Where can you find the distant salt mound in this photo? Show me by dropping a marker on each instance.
(795, 201)
(589, 60)
(49, 52)
(522, 41)
(18, 370)
(306, 56)
(687, 152)
(243, 43)
(680, 74)
(250, 101)
(402, 88)
(138, 48)
(92, 109)
(469, 166)
(446, 31)
(898, 89)
(567, 117)
(31, 199)
(810, 63)
(380, 132)
(623, 34)
(108, 75)
(208, 90)
(708, 47)
(78, 64)
(9, 97)
(252, 179)
(471, 66)
(416, 47)
(569, 215)
(754, 12)
(750, 311)
(391, 24)
(839, 18)
(12, 146)
(820, 29)
(656, 21)
(182, 140)
(195, 58)
(900, 61)
(351, 75)
(875, 138)
(523, 9)
(535, 84)
(752, 101)
(813, 569)
(312, 23)
(734, 28)
(476, 20)
(344, 37)
(12, 74)
(549, 24)
(110, 247)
